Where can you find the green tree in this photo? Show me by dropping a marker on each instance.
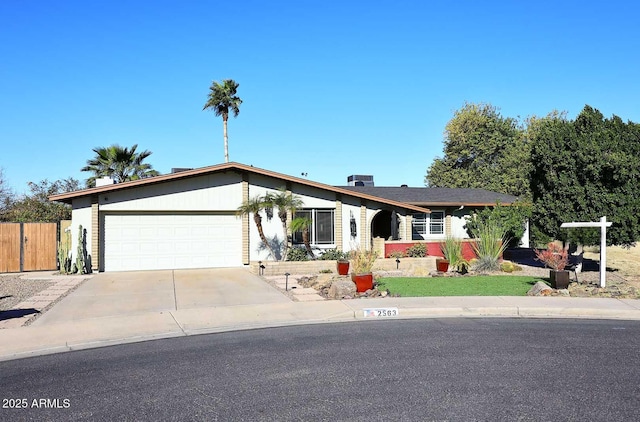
(6, 196)
(286, 203)
(582, 170)
(254, 207)
(120, 163)
(35, 207)
(483, 150)
(222, 99)
(510, 219)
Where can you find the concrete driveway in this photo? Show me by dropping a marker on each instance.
(139, 292)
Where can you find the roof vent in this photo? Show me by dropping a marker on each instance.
(104, 181)
(404, 186)
(179, 169)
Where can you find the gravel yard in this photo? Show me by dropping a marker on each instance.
(14, 290)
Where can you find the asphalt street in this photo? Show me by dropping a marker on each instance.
(423, 369)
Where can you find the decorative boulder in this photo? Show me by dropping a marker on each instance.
(342, 288)
(540, 289)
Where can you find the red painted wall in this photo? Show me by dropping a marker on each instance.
(433, 248)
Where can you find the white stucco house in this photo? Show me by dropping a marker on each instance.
(188, 219)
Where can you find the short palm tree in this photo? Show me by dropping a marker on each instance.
(222, 99)
(285, 202)
(120, 163)
(302, 224)
(254, 206)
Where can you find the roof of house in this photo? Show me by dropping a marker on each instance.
(431, 197)
(68, 197)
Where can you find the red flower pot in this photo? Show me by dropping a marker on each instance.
(343, 267)
(442, 265)
(363, 282)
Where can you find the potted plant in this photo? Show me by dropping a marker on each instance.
(361, 264)
(556, 258)
(451, 250)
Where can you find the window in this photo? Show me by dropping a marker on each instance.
(321, 231)
(427, 225)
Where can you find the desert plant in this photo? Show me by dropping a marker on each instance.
(333, 255)
(554, 257)
(297, 254)
(490, 242)
(81, 252)
(452, 251)
(302, 224)
(397, 254)
(417, 250)
(362, 260)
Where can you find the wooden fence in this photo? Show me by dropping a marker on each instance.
(28, 247)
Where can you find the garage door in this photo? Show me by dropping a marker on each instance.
(168, 241)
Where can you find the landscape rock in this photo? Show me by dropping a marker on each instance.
(540, 289)
(341, 289)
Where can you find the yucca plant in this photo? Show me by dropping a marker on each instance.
(490, 243)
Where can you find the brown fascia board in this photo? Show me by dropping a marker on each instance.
(69, 196)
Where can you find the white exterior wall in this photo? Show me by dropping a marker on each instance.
(222, 192)
(80, 215)
(457, 225)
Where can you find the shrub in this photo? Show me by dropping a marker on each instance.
(297, 254)
(490, 243)
(452, 251)
(397, 254)
(362, 260)
(333, 255)
(418, 250)
(554, 257)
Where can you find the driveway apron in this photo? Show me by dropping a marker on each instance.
(139, 292)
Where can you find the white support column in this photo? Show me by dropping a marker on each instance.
(603, 224)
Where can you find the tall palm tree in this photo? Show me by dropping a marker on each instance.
(222, 99)
(253, 207)
(286, 203)
(120, 163)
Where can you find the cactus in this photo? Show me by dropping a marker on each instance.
(81, 252)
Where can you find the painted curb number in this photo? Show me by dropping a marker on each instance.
(380, 312)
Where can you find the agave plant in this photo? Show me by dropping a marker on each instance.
(490, 243)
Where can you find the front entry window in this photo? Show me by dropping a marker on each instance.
(322, 230)
(425, 226)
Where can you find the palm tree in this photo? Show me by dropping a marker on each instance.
(121, 164)
(222, 99)
(254, 206)
(302, 224)
(285, 202)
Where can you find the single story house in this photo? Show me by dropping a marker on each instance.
(188, 219)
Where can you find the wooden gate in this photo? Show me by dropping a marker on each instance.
(28, 247)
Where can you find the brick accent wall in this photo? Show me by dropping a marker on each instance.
(364, 232)
(338, 234)
(95, 234)
(245, 225)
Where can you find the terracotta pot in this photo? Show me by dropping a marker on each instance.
(442, 265)
(559, 279)
(363, 282)
(343, 267)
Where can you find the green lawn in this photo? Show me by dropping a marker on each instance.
(502, 285)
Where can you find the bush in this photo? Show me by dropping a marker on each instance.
(418, 250)
(452, 251)
(490, 243)
(333, 255)
(297, 254)
(397, 254)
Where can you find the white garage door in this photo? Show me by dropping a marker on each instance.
(163, 241)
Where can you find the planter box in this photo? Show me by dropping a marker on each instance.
(559, 279)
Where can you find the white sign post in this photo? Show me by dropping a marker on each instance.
(603, 224)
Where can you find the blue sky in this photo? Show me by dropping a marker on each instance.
(330, 88)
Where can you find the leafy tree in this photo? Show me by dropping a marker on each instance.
(255, 206)
(222, 99)
(484, 150)
(510, 219)
(286, 203)
(6, 196)
(582, 170)
(120, 163)
(35, 207)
